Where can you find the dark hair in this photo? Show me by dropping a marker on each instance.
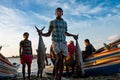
(59, 9)
(26, 33)
(87, 40)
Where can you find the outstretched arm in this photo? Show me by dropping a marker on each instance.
(69, 34)
(45, 34)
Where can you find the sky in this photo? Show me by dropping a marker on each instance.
(96, 20)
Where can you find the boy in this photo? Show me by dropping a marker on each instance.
(58, 28)
(89, 49)
(25, 52)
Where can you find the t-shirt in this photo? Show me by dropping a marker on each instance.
(71, 49)
(89, 49)
(26, 47)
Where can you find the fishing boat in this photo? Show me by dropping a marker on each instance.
(105, 61)
(7, 69)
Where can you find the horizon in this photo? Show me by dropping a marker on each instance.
(96, 20)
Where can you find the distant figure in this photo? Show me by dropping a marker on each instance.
(46, 59)
(70, 61)
(0, 47)
(25, 52)
(53, 58)
(89, 49)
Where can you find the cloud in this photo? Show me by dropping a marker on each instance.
(93, 22)
(95, 29)
(113, 37)
(42, 17)
(12, 25)
(72, 7)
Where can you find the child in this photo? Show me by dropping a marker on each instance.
(89, 49)
(25, 52)
(58, 28)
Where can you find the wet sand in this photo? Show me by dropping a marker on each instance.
(33, 77)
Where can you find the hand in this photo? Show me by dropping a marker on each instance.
(75, 37)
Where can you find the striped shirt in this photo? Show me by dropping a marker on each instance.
(26, 47)
(58, 28)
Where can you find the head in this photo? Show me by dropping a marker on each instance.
(71, 42)
(26, 35)
(86, 41)
(58, 12)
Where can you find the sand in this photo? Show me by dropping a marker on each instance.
(33, 77)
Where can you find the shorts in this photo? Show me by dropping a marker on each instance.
(60, 47)
(26, 59)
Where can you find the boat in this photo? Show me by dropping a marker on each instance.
(105, 61)
(7, 69)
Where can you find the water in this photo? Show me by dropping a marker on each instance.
(33, 65)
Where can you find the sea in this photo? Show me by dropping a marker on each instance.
(34, 68)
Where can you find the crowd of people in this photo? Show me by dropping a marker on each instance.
(59, 50)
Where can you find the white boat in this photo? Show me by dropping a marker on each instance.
(7, 69)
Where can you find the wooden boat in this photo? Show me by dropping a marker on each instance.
(106, 61)
(103, 63)
(7, 69)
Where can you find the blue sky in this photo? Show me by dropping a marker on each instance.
(97, 20)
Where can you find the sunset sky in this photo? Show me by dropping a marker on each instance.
(97, 20)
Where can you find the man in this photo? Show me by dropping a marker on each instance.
(25, 52)
(58, 28)
(89, 49)
(70, 61)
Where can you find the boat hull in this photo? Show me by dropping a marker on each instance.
(7, 69)
(104, 63)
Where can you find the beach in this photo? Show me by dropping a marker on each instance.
(48, 77)
(112, 77)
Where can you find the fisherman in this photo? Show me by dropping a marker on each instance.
(70, 59)
(89, 49)
(25, 52)
(58, 28)
(46, 59)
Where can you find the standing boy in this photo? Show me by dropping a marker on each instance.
(25, 52)
(58, 28)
